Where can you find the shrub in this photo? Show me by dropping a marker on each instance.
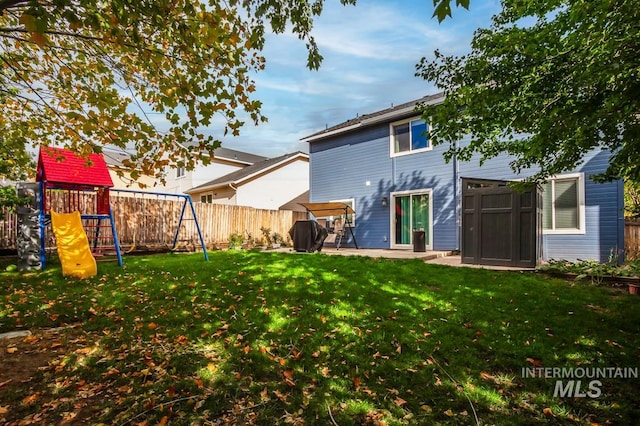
(235, 241)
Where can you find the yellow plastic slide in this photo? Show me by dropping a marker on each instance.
(73, 245)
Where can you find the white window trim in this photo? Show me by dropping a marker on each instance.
(392, 217)
(392, 138)
(582, 229)
(352, 202)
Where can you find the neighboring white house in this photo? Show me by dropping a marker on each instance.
(179, 180)
(268, 184)
(121, 177)
(224, 161)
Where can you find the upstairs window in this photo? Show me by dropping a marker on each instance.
(181, 172)
(563, 205)
(409, 136)
(206, 198)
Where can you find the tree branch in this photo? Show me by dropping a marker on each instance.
(93, 39)
(46, 104)
(8, 4)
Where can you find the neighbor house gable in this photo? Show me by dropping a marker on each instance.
(267, 184)
(242, 176)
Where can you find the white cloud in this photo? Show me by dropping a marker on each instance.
(370, 52)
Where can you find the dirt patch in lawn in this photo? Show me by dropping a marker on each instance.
(28, 363)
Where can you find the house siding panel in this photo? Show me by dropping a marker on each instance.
(359, 166)
(356, 164)
(272, 190)
(347, 168)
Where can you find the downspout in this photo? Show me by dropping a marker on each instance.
(456, 198)
(621, 243)
(235, 191)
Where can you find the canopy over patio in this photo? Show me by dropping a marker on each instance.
(333, 208)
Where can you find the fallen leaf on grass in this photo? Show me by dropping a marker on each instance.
(28, 400)
(12, 350)
(84, 351)
(547, 412)
(487, 376)
(288, 377)
(264, 395)
(535, 362)
(182, 339)
(356, 383)
(4, 409)
(30, 339)
(399, 401)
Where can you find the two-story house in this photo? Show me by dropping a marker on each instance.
(384, 165)
(277, 183)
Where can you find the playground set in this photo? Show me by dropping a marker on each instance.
(72, 197)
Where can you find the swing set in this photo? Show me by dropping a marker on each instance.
(134, 198)
(70, 185)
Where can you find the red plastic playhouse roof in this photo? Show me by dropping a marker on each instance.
(57, 165)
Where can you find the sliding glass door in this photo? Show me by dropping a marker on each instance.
(412, 212)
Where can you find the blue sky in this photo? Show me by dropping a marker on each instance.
(370, 52)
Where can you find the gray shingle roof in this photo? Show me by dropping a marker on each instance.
(239, 156)
(114, 158)
(393, 113)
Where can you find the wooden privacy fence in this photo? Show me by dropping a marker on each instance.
(150, 221)
(153, 221)
(8, 226)
(632, 239)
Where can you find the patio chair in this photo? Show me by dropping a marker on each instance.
(337, 235)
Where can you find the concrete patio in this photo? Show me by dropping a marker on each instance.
(446, 258)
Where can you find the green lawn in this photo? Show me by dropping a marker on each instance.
(277, 338)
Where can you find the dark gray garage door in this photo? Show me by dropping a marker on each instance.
(500, 226)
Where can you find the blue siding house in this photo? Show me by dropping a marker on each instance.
(385, 167)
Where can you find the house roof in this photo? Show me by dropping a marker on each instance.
(394, 113)
(58, 165)
(237, 156)
(294, 204)
(238, 177)
(115, 158)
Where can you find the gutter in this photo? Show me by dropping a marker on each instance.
(397, 113)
